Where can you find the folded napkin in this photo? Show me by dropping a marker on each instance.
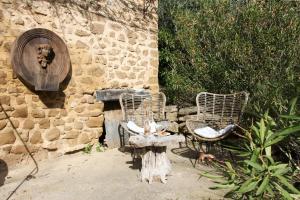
(135, 128)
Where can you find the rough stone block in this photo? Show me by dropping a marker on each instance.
(70, 120)
(79, 109)
(4, 99)
(63, 113)
(52, 146)
(19, 21)
(78, 125)
(94, 122)
(171, 116)
(7, 108)
(121, 38)
(67, 128)
(71, 143)
(71, 134)
(44, 123)
(97, 28)
(89, 99)
(187, 111)
(36, 137)
(7, 136)
(94, 113)
(20, 149)
(81, 45)
(121, 74)
(2, 116)
(52, 134)
(101, 60)
(28, 124)
(186, 117)
(95, 71)
(97, 105)
(58, 122)
(3, 74)
(53, 113)
(20, 100)
(3, 81)
(38, 113)
(115, 27)
(20, 111)
(83, 138)
(87, 80)
(81, 33)
(3, 124)
(153, 45)
(15, 123)
(24, 135)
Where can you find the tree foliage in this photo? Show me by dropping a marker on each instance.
(228, 46)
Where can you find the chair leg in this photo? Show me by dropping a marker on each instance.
(193, 140)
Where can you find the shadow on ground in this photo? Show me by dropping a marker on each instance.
(3, 171)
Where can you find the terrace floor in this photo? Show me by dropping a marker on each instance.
(107, 175)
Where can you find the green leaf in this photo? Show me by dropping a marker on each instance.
(248, 186)
(256, 131)
(254, 165)
(283, 133)
(293, 106)
(279, 166)
(281, 171)
(228, 164)
(285, 182)
(209, 175)
(268, 151)
(222, 186)
(263, 185)
(295, 117)
(270, 191)
(270, 159)
(262, 130)
(273, 141)
(284, 193)
(255, 154)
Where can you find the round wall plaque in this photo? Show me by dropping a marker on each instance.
(41, 59)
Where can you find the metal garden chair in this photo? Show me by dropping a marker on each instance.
(217, 116)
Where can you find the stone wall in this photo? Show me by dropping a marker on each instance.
(178, 117)
(112, 44)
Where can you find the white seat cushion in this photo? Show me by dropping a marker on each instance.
(135, 128)
(208, 132)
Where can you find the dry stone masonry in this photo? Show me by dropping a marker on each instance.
(112, 44)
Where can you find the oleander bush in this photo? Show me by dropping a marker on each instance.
(259, 174)
(227, 46)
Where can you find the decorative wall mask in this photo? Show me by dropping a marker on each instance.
(45, 55)
(40, 59)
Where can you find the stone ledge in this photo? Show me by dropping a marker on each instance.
(114, 94)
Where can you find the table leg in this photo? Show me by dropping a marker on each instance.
(155, 163)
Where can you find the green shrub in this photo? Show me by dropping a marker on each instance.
(258, 174)
(224, 46)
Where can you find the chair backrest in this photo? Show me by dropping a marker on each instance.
(219, 110)
(140, 107)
